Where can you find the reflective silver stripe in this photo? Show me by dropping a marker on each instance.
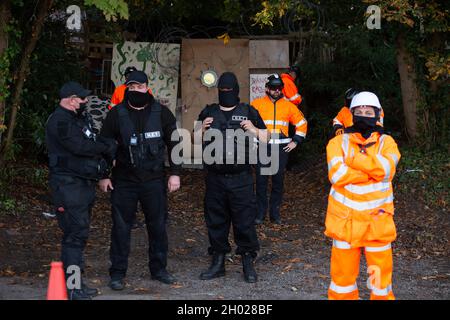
(360, 206)
(345, 144)
(334, 161)
(374, 187)
(382, 121)
(383, 136)
(378, 249)
(339, 173)
(280, 141)
(386, 166)
(341, 244)
(336, 121)
(301, 134)
(383, 160)
(340, 289)
(301, 122)
(277, 122)
(394, 157)
(294, 97)
(381, 292)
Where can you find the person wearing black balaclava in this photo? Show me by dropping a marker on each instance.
(229, 196)
(143, 128)
(77, 159)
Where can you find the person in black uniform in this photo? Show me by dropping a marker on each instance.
(76, 161)
(229, 195)
(143, 128)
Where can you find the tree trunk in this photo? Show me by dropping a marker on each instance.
(23, 71)
(5, 16)
(410, 91)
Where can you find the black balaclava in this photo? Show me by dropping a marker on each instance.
(366, 125)
(229, 98)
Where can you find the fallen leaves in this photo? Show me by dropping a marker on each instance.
(141, 290)
(8, 272)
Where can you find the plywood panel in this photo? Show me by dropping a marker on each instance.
(199, 55)
(269, 54)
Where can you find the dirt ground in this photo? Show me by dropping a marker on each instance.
(293, 262)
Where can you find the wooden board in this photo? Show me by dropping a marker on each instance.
(199, 55)
(269, 54)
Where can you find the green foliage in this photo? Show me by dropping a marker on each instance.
(112, 9)
(27, 174)
(52, 64)
(7, 59)
(425, 174)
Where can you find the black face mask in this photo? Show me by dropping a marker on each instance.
(364, 125)
(138, 99)
(81, 109)
(228, 98)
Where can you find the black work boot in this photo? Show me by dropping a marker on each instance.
(117, 284)
(164, 277)
(216, 269)
(78, 294)
(250, 275)
(92, 292)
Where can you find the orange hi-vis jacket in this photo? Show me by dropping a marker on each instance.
(290, 90)
(345, 118)
(361, 201)
(119, 94)
(278, 115)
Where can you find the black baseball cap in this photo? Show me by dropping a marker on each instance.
(137, 77)
(73, 88)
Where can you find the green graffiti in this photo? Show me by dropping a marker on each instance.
(122, 54)
(144, 55)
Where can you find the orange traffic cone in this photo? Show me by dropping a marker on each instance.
(57, 283)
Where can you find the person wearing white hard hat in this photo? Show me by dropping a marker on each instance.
(361, 166)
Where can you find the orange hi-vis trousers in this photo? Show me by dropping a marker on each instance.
(345, 269)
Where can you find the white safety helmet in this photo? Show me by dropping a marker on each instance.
(365, 98)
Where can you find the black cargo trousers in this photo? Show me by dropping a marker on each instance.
(125, 196)
(73, 198)
(230, 200)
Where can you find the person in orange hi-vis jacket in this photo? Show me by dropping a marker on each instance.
(344, 118)
(290, 90)
(277, 114)
(361, 166)
(119, 92)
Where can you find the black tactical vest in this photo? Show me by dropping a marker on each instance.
(144, 150)
(240, 155)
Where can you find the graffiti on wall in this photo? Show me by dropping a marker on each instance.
(160, 61)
